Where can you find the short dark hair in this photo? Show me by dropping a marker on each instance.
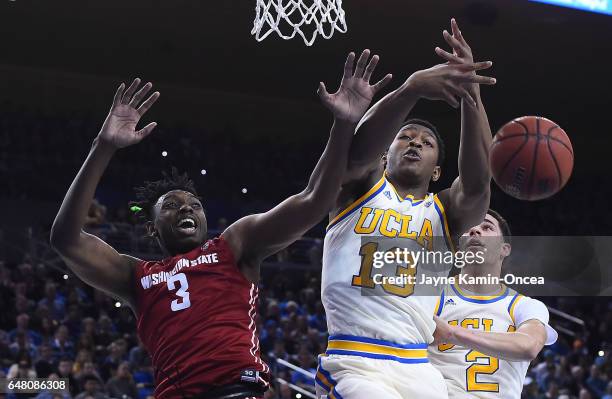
(503, 225)
(89, 377)
(147, 195)
(434, 130)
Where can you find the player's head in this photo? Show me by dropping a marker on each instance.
(491, 237)
(172, 212)
(416, 154)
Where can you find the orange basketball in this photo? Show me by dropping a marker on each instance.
(531, 158)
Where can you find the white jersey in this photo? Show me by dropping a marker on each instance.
(355, 305)
(472, 374)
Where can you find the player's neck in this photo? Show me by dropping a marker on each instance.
(482, 270)
(405, 188)
(481, 289)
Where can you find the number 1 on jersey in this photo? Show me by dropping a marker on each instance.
(183, 302)
(365, 279)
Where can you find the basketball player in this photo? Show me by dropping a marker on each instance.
(379, 333)
(196, 308)
(493, 332)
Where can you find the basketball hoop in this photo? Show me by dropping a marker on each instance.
(307, 18)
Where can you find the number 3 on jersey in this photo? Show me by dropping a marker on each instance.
(183, 301)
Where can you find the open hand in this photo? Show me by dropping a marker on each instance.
(462, 53)
(119, 128)
(447, 81)
(355, 94)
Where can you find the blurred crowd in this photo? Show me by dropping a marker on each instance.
(34, 143)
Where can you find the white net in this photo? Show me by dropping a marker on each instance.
(307, 18)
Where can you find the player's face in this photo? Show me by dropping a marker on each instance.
(487, 238)
(414, 152)
(180, 222)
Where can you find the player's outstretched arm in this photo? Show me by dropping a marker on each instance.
(524, 344)
(256, 237)
(381, 123)
(90, 258)
(467, 200)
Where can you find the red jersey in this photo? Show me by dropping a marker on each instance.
(196, 317)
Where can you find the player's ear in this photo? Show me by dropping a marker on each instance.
(383, 159)
(437, 172)
(151, 232)
(505, 249)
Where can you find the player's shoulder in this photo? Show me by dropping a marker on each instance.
(522, 308)
(524, 301)
(356, 192)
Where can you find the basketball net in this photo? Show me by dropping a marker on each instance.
(307, 18)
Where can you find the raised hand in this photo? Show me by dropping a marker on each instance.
(447, 81)
(462, 53)
(355, 94)
(119, 128)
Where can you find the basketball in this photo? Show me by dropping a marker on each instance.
(531, 158)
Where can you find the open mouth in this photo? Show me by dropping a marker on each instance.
(412, 155)
(187, 225)
(475, 243)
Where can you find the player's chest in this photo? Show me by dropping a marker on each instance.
(194, 285)
(393, 219)
(483, 317)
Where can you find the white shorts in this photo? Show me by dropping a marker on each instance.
(355, 377)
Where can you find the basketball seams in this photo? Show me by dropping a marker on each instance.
(523, 125)
(497, 141)
(569, 148)
(548, 135)
(552, 155)
(535, 157)
(514, 155)
(525, 174)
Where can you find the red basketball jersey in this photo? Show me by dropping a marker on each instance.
(196, 316)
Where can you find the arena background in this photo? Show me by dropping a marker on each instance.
(247, 113)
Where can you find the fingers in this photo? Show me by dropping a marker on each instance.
(450, 99)
(476, 66)
(348, 66)
(127, 96)
(462, 93)
(451, 58)
(478, 79)
(382, 83)
(144, 107)
(140, 94)
(322, 92)
(457, 32)
(370, 68)
(145, 131)
(361, 63)
(118, 95)
(454, 43)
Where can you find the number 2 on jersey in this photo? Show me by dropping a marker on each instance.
(183, 302)
(480, 368)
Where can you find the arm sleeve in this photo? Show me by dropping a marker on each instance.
(530, 309)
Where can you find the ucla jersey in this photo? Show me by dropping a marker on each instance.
(361, 312)
(472, 374)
